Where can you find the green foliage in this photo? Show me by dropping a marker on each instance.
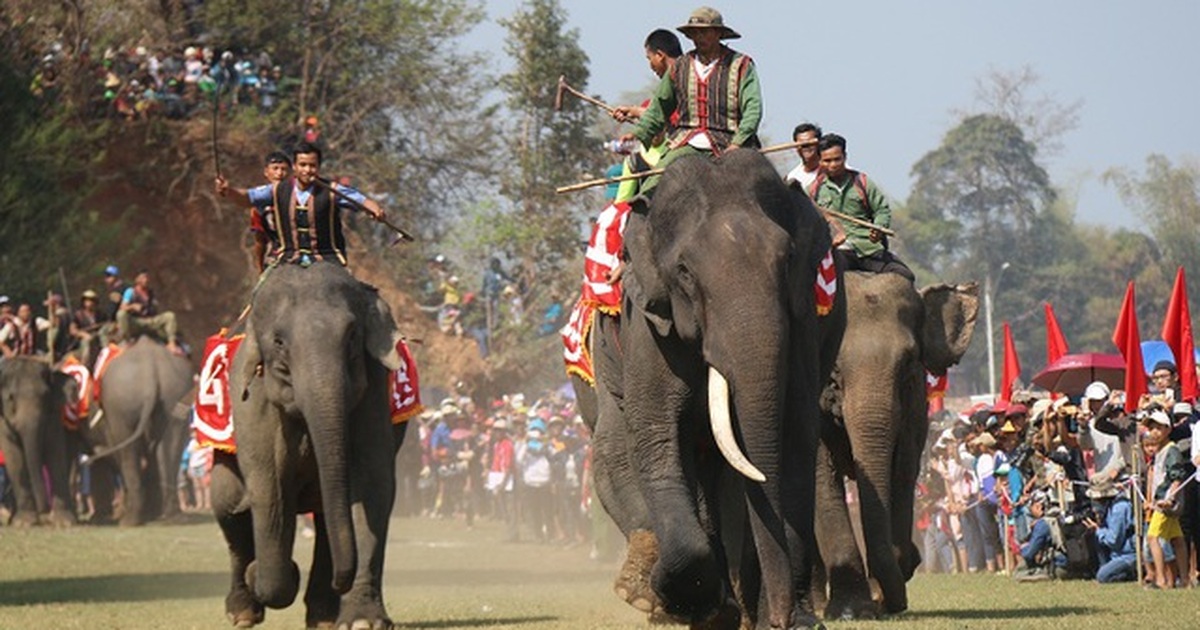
(1167, 197)
(46, 173)
(397, 98)
(539, 232)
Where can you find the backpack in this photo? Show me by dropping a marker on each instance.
(860, 184)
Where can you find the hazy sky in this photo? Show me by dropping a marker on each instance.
(887, 74)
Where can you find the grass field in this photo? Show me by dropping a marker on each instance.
(441, 575)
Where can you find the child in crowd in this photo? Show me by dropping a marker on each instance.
(1167, 474)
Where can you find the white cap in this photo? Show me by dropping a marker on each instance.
(1158, 416)
(1096, 391)
(3, 299)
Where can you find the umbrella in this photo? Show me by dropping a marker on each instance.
(1072, 373)
(1155, 351)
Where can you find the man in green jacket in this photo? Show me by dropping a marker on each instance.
(849, 192)
(713, 89)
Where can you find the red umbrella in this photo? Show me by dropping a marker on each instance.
(1072, 373)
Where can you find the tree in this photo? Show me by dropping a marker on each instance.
(1011, 95)
(397, 99)
(1167, 197)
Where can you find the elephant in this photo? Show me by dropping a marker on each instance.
(32, 437)
(142, 425)
(875, 424)
(309, 389)
(719, 323)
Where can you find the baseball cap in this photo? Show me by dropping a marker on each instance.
(1182, 409)
(3, 299)
(1096, 391)
(1158, 416)
(112, 270)
(89, 294)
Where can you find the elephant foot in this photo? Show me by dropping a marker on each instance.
(242, 609)
(130, 519)
(368, 615)
(845, 608)
(633, 582)
(807, 621)
(275, 591)
(728, 617)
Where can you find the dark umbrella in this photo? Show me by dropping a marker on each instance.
(1072, 373)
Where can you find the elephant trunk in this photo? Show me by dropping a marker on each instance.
(328, 429)
(721, 422)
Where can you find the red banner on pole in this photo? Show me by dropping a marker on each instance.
(1177, 332)
(1056, 343)
(1012, 365)
(1128, 340)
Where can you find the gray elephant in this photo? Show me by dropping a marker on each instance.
(145, 394)
(719, 358)
(32, 436)
(310, 402)
(875, 428)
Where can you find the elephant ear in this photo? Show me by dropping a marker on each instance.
(64, 387)
(643, 287)
(950, 314)
(382, 335)
(250, 356)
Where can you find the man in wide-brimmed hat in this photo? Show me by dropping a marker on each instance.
(713, 88)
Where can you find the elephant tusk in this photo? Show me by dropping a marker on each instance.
(722, 427)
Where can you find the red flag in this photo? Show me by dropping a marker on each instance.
(1012, 365)
(1177, 332)
(1129, 342)
(1056, 343)
(935, 391)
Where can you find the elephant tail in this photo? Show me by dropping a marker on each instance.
(138, 433)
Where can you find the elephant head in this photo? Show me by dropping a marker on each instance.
(723, 335)
(317, 348)
(32, 436)
(894, 334)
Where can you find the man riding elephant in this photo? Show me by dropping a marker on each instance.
(714, 91)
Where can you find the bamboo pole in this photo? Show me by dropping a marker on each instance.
(1137, 512)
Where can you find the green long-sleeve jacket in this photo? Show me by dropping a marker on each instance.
(847, 198)
(748, 112)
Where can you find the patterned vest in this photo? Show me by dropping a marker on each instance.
(712, 104)
(149, 304)
(314, 229)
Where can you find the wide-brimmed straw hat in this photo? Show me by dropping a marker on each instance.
(708, 17)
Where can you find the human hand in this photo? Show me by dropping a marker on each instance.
(629, 137)
(1090, 524)
(221, 186)
(839, 234)
(875, 235)
(627, 113)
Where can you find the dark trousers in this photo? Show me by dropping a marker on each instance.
(881, 262)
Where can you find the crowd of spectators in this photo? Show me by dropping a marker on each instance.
(479, 315)
(522, 463)
(1054, 487)
(138, 82)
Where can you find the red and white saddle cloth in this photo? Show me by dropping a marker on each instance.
(602, 257)
(213, 422)
(825, 287)
(76, 411)
(574, 335)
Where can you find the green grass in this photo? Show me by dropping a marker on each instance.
(440, 575)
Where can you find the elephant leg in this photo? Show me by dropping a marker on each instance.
(166, 459)
(228, 490)
(134, 506)
(321, 602)
(686, 577)
(849, 592)
(22, 482)
(103, 478)
(62, 502)
(35, 463)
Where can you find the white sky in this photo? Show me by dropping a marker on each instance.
(886, 74)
